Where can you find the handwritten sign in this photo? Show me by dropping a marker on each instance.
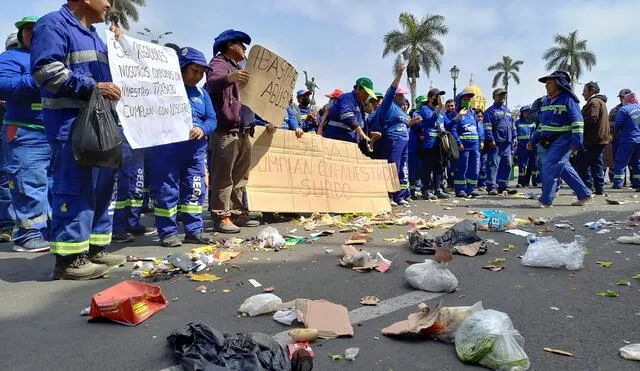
(315, 174)
(271, 84)
(154, 108)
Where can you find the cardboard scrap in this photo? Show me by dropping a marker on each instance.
(615, 202)
(203, 277)
(370, 300)
(471, 249)
(128, 302)
(225, 256)
(415, 323)
(331, 320)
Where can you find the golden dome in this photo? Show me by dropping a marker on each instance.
(478, 100)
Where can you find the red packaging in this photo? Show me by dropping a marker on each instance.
(128, 302)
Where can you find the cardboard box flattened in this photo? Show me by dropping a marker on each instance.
(128, 302)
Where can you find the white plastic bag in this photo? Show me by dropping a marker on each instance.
(488, 338)
(451, 318)
(270, 238)
(631, 352)
(431, 276)
(286, 317)
(548, 252)
(261, 304)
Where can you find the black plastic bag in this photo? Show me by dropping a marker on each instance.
(463, 233)
(446, 143)
(95, 137)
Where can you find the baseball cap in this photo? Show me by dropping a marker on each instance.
(499, 91)
(435, 91)
(420, 99)
(379, 94)
(402, 90)
(334, 94)
(367, 85)
(12, 40)
(190, 55)
(303, 92)
(25, 20)
(624, 92)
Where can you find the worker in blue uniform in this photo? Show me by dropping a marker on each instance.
(500, 135)
(526, 159)
(346, 119)
(482, 173)
(7, 215)
(178, 169)
(308, 115)
(68, 61)
(469, 138)
(560, 133)
(415, 143)
(27, 153)
(628, 149)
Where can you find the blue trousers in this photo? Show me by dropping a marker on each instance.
(131, 185)
(178, 182)
(397, 152)
(528, 166)
(147, 171)
(415, 172)
(482, 175)
(556, 165)
(590, 166)
(82, 203)
(626, 152)
(499, 166)
(7, 215)
(27, 157)
(466, 178)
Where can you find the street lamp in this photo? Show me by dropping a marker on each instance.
(455, 72)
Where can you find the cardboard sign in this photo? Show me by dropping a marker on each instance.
(315, 174)
(153, 108)
(271, 84)
(128, 302)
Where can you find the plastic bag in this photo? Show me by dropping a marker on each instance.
(95, 137)
(270, 238)
(449, 319)
(431, 276)
(462, 233)
(548, 252)
(286, 317)
(496, 220)
(261, 304)
(631, 352)
(488, 338)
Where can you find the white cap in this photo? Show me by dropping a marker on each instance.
(12, 40)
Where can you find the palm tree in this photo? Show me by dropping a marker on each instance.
(123, 10)
(419, 45)
(569, 54)
(507, 68)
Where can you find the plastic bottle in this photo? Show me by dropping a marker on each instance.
(532, 238)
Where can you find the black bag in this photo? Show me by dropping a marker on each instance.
(448, 148)
(95, 137)
(463, 233)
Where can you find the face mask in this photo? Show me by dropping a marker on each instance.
(305, 100)
(466, 105)
(434, 102)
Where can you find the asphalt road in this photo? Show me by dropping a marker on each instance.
(41, 326)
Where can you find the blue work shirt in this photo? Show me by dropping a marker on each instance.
(305, 121)
(396, 121)
(432, 124)
(345, 116)
(202, 111)
(290, 119)
(560, 116)
(524, 131)
(628, 123)
(449, 116)
(19, 90)
(467, 131)
(498, 124)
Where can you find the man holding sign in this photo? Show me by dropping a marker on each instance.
(229, 144)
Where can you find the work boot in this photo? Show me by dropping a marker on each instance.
(36, 244)
(5, 236)
(461, 194)
(100, 255)
(225, 225)
(122, 237)
(200, 238)
(244, 220)
(403, 202)
(492, 192)
(77, 267)
(442, 195)
(509, 191)
(429, 196)
(141, 230)
(171, 241)
(474, 194)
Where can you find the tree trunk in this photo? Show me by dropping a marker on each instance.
(413, 91)
(506, 98)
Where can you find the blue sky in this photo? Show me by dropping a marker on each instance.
(337, 41)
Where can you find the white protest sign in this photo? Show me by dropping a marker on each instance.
(154, 108)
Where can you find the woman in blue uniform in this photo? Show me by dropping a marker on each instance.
(469, 137)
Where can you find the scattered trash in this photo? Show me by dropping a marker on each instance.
(203, 277)
(322, 233)
(603, 231)
(495, 266)
(554, 308)
(615, 202)
(563, 226)
(286, 317)
(128, 302)
(328, 251)
(182, 261)
(609, 293)
(518, 232)
(462, 238)
(270, 238)
(336, 357)
(350, 354)
(415, 324)
(370, 300)
(304, 334)
(226, 291)
(496, 220)
(548, 252)
(531, 196)
(623, 283)
(200, 347)
(631, 352)
(508, 248)
(605, 264)
(636, 277)
(269, 289)
(85, 311)
(539, 220)
(254, 283)
(431, 276)
(598, 224)
(632, 240)
(331, 320)
(558, 351)
(362, 261)
(488, 338)
(261, 304)
(202, 289)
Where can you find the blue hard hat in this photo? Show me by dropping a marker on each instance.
(229, 35)
(188, 55)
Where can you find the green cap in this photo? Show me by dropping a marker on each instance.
(367, 85)
(26, 20)
(420, 99)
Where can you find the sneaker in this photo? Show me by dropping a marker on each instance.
(409, 199)
(171, 241)
(492, 192)
(442, 195)
(77, 267)
(583, 202)
(244, 220)
(393, 203)
(403, 202)
(225, 225)
(37, 244)
(199, 238)
(461, 195)
(474, 194)
(5, 236)
(122, 237)
(100, 255)
(481, 189)
(141, 230)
